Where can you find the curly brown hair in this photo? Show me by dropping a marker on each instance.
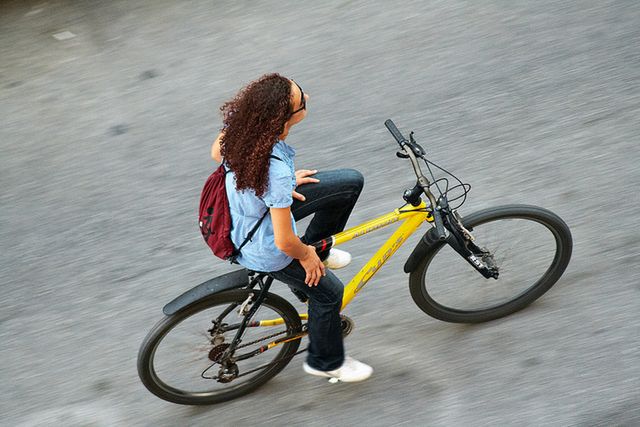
(253, 121)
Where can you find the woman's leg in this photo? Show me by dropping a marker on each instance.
(326, 349)
(331, 201)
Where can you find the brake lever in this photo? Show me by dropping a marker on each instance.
(417, 148)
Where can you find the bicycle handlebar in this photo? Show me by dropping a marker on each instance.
(395, 132)
(424, 183)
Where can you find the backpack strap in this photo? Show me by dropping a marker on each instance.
(250, 235)
(236, 253)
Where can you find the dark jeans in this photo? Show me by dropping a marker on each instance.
(331, 201)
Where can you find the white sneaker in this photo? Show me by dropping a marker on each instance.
(351, 371)
(337, 259)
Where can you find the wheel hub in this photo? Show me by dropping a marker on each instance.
(488, 259)
(226, 374)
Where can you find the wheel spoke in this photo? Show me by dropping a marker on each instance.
(531, 248)
(179, 366)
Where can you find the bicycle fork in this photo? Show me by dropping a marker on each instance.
(462, 241)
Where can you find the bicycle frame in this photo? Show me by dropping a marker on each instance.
(413, 216)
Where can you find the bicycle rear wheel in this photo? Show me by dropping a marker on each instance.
(179, 361)
(531, 246)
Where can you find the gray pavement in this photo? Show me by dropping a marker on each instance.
(107, 112)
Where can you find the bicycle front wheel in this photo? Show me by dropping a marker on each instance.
(181, 359)
(530, 245)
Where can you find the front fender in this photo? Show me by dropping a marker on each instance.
(428, 241)
(235, 279)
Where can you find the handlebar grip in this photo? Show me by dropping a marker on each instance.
(440, 231)
(395, 132)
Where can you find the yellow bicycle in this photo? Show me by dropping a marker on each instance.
(227, 336)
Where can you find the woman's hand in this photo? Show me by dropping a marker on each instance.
(303, 177)
(287, 241)
(313, 266)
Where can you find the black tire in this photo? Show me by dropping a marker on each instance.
(228, 391)
(431, 301)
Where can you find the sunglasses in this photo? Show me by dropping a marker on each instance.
(303, 101)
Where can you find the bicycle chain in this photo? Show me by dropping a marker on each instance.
(268, 364)
(272, 363)
(248, 344)
(261, 339)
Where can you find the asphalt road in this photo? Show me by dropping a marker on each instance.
(107, 112)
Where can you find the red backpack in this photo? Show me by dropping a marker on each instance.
(214, 217)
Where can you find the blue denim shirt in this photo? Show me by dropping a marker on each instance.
(261, 253)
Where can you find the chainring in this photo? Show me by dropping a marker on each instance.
(347, 325)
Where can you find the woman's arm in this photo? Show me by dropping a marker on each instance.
(215, 149)
(287, 241)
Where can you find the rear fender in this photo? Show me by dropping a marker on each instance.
(233, 280)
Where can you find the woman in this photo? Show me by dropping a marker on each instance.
(262, 177)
